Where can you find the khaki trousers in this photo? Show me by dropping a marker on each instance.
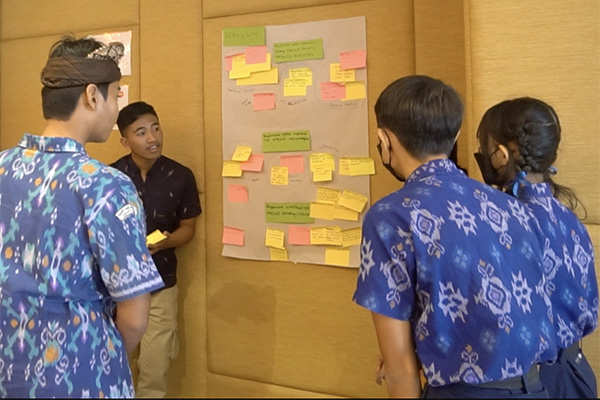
(159, 345)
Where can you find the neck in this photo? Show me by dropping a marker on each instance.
(143, 164)
(535, 177)
(66, 129)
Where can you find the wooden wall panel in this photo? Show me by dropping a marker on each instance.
(171, 80)
(224, 8)
(294, 325)
(518, 49)
(35, 18)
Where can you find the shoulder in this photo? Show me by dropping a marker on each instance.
(120, 163)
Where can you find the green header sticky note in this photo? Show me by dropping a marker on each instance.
(285, 141)
(244, 36)
(298, 51)
(288, 213)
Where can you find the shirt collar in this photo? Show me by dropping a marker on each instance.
(535, 190)
(51, 144)
(441, 166)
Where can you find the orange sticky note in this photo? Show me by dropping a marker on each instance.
(237, 193)
(299, 235)
(263, 101)
(256, 54)
(233, 236)
(254, 163)
(295, 163)
(332, 91)
(353, 59)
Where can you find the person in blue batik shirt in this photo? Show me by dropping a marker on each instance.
(519, 141)
(450, 267)
(75, 272)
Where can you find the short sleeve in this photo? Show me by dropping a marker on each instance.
(384, 285)
(116, 225)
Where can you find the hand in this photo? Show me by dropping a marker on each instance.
(380, 372)
(156, 247)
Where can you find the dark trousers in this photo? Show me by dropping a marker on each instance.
(526, 386)
(571, 376)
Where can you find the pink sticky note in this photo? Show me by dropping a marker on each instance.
(332, 91)
(353, 59)
(299, 235)
(294, 163)
(254, 163)
(263, 101)
(256, 54)
(233, 236)
(229, 62)
(237, 193)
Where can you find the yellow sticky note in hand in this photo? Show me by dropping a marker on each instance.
(155, 237)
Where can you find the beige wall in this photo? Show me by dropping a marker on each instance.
(272, 329)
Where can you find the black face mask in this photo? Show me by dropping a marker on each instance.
(388, 166)
(488, 172)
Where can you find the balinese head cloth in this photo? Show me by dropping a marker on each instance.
(100, 66)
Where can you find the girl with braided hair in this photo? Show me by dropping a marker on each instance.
(518, 141)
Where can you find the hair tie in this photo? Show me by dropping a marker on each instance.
(552, 170)
(519, 182)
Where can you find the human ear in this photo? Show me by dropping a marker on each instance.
(91, 96)
(124, 142)
(503, 155)
(383, 138)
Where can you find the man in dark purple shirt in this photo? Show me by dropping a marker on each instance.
(170, 197)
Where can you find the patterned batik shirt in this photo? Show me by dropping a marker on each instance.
(459, 260)
(72, 243)
(568, 264)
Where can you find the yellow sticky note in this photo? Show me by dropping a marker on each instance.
(278, 254)
(302, 73)
(279, 176)
(322, 211)
(321, 160)
(155, 237)
(351, 237)
(274, 238)
(241, 69)
(242, 153)
(260, 78)
(336, 256)
(352, 200)
(345, 214)
(231, 169)
(355, 166)
(328, 235)
(328, 195)
(294, 87)
(337, 74)
(355, 91)
(322, 175)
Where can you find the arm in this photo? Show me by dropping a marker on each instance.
(132, 320)
(179, 237)
(399, 356)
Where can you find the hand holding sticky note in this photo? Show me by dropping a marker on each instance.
(155, 237)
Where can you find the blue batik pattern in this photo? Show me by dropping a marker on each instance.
(568, 262)
(72, 244)
(461, 262)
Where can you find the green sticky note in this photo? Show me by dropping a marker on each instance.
(298, 51)
(244, 36)
(285, 141)
(288, 213)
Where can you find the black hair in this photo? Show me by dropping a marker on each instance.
(130, 113)
(60, 103)
(533, 127)
(424, 113)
